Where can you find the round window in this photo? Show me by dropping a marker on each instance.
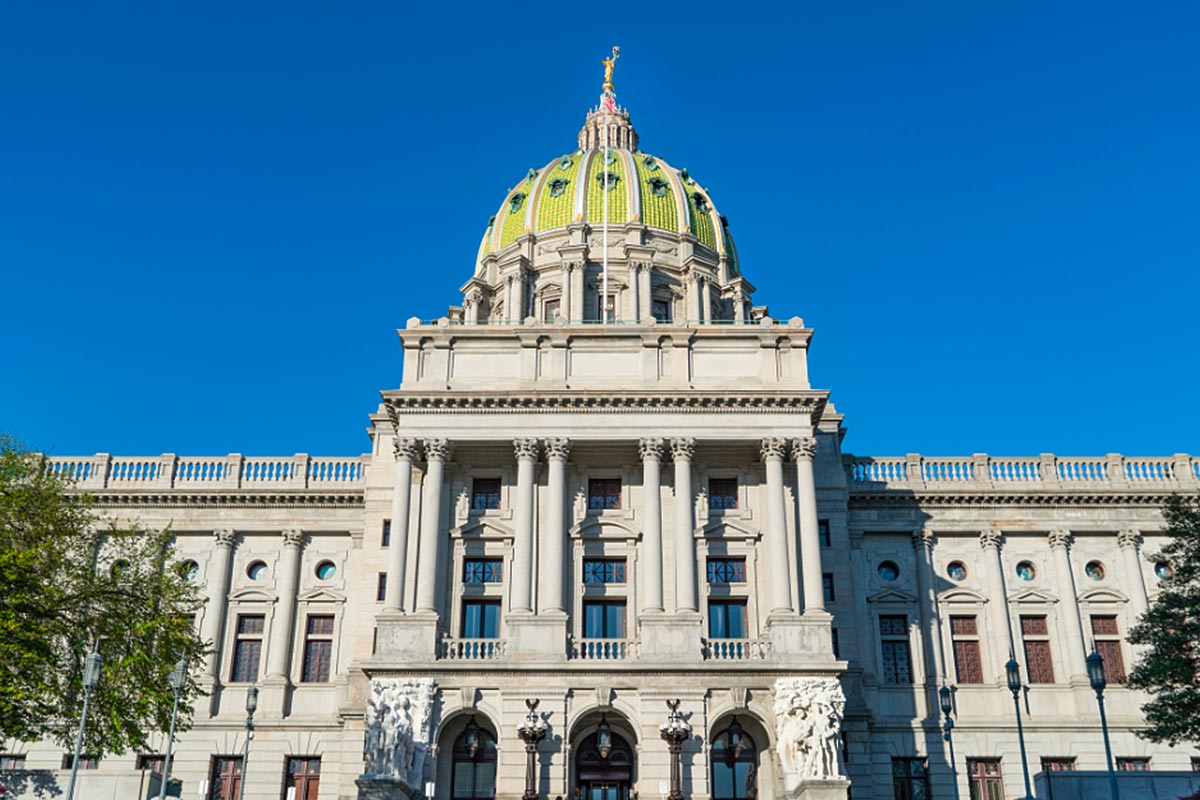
(1163, 570)
(1094, 570)
(957, 571)
(1025, 571)
(326, 570)
(888, 570)
(189, 570)
(257, 570)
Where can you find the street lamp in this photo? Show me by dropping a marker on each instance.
(675, 731)
(531, 731)
(91, 678)
(1013, 672)
(1095, 668)
(178, 681)
(946, 700)
(251, 704)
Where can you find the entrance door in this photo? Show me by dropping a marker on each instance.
(607, 790)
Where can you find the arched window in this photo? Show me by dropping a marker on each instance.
(474, 761)
(734, 764)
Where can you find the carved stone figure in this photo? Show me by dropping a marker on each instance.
(808, 719)
(397, 728)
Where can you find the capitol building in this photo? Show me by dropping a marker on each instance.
(607, 544)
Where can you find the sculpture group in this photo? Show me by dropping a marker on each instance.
(808, 719)
(397, 728)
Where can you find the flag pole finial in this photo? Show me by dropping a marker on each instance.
(608, 68)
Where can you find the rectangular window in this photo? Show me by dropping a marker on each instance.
(550, 310)
(318, 648)
(1066, 764)
(983, 776)
(14, 761)
(225, 778)
(1107, 637)
(837, 650)
(823, 533)
(385, 536)
(483, 570)
(1195, 764)
(727, 619)
(726, 570)
(481, 619)
(968, 666)
(1133, 765)
(151, 761)
(485, 494)
(1038, 663)
(381, 587)
(827, 587)
(599, 571)
(661, 310)
(910, 779)
(722, 493)
(604, 620)
(893, 634)
(604, 493)
(247, 648)
(303, 778)
(85, 761)
(610, 308)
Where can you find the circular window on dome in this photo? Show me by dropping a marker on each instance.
(957, 571)
(1094, 570)
(888, 570)
(565, 163)
(189, 570)
(257, 570)
(650, 163)
(1163, 570)
(1025, 571)
(558, 186)
(326, 570)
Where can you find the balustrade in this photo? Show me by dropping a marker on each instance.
(737, 649)
(1046, 471)
(471, 649)
(604, 649)
(211, 472)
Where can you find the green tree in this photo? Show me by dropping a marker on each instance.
(71, 579)
(1170, 630)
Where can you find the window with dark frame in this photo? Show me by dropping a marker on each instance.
(723, 571)
(600, 571)
(1107, 637)
(833, 635)
(86, 761)
(827, 587)
(247, 648)
(385, 536)
(893, 641)
(722, 493)
(1195, 763)
(483, 570)
(485, 494)
(473, 768)
(984, 779)
(16, 761)
(550, 309)
(604, 494)
(381, 587)
(225, 777)
(1039, 664)
(604, 620)
(1058, 764)
(823, 533)
(151, 761)
(1133, 765)
(318, 648)
(303, 777)
(661, 310)
(910, 779)
(610, 308)
(968, 665)
(481, 619)
(727, 619)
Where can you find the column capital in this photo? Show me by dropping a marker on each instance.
(293, 537)
(683, 448)
(526, 449)
(924, 538)
(650, 448)
(804, 449)
(773, 449)
(557, 449)
(990, 539)
(1060, 537)
(224, 537)
(1129, 538)
(406, 448)
(436, 449)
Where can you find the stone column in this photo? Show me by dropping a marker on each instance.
(1000, 620)
(519, 296)
(635, 292)
(509, 311)
(285, 618)
(864, 626)
(1130, 542)
(218, 595)
(406, 451)
(1060, 545)
(645, 296)
(804, 450)
(522, 579)
(652, 572)
(436, 452)
(555, 533)
(931, 628)
(739, 306)
(567, 307)
(706, 300)
(773, 452)
(685, 544)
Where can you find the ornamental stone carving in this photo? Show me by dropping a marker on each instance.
(990, 539)
(437, 449)
(406, 448)
(1059, 537)
(808, 721)
(683, 448)
(558, 449)
(805, 448)
(1129, 538)
(526, 449)
(398, 717)
(924, 539)
(650, 448)
(224, 537)
(293, 537)
(773, 449)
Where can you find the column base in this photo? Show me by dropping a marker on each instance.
(808, 635)
(674, 636)
(372, 787)
(540, 636)
(814, 789)
(273, 696)
(407, 636)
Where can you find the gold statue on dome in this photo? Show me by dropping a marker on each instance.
(608, 68)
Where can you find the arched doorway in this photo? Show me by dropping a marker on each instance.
(604, 765)
(733, 761)
(470, 771)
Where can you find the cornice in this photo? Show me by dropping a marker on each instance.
(188, 499)
(906, 498)
(409, 402)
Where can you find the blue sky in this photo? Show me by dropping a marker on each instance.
(214, 216)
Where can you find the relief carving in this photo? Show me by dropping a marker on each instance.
(808, 721)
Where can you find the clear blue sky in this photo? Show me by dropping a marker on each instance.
(214, 216)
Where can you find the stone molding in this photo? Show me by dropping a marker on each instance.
(805, 448)
(406, 448)
(238, 499)
(224, 537)
(535, 402)
(526, 449)
(558, 449)
(773, 448)
(650, 448)
(1129, 538)
(683, 448)
(293, 537)
(437, 449)
(924, 538)
(1060, 537)
(988, 539)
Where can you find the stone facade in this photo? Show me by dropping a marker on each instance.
(598, 519)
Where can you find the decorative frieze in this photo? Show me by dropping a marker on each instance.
(808, 721)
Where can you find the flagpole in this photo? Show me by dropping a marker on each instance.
(605, 188)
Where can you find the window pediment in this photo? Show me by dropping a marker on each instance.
(251, 596)
(1103, 596)
(481, 528)
(1032, 596)
(728, 529)
(321, 595)
(960, 595)
(891, 596)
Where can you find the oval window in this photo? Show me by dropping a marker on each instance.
(326, 570)
(189, 570)
(257, 570)
(1163, 570)
(888, 571)
(957, 571)
(1094, 570)
(1025, 571)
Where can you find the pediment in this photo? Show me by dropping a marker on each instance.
(1103, 596)
(1032, 596)
(602, 528)
(892, 596)
(729, 529)
(322, 595)
(481, 528)
(251, 596)
(961, 595)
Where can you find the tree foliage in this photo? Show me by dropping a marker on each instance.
(70, 580)
(1170, 630)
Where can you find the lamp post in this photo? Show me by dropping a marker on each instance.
(531, 731)
(675, 731)
(1013, 672)
(1095, 668)
(91, 678)
(251, 704)
(946, 700)
(178, 681)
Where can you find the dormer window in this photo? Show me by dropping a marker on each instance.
(659, 187)
(558, 186)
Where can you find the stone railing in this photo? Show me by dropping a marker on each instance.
(1043, 472)
(234, 471)
(737, 649)
(604, 649)
(453, 649)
